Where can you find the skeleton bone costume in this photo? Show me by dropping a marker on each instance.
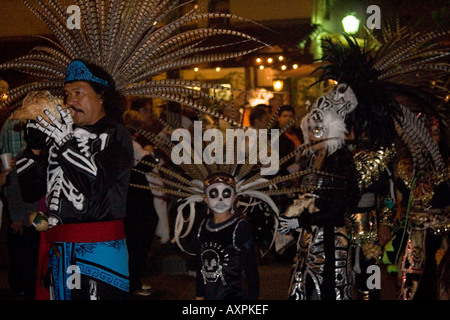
(322, 269)
(85, 196)
(322, 266)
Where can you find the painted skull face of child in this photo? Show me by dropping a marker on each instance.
(220, 197)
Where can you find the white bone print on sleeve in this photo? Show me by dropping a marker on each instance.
(57, 184)
(85, 159)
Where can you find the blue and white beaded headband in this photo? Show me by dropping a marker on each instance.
(78, 71)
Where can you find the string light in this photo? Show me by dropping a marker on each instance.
(272, 60)
(196, 69)
(218, 69)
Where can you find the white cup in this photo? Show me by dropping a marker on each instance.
(6, 161)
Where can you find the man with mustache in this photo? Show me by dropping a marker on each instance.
(82, 165)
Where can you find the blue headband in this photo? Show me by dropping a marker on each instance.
(77, 71)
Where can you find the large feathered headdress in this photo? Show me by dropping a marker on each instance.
(133, 41)
(407, 73)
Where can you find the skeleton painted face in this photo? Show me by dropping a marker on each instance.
(326, 120)
(342, 99)
(220, 197)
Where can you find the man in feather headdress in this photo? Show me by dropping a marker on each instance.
(86, 153)
(82, 163)
(365, 103)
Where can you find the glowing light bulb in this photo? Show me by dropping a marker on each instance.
(350, 24)
(278, 85)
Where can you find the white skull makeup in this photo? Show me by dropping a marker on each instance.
(342, 99)
(220, 197)
(326, 120)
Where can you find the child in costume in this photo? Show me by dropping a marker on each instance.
(226, 257)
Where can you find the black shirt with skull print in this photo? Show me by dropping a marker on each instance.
(227, 268)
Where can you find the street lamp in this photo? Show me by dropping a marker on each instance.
(350, 24)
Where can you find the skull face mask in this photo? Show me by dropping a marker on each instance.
(341, 99)
(326, 120)
(220, 197)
